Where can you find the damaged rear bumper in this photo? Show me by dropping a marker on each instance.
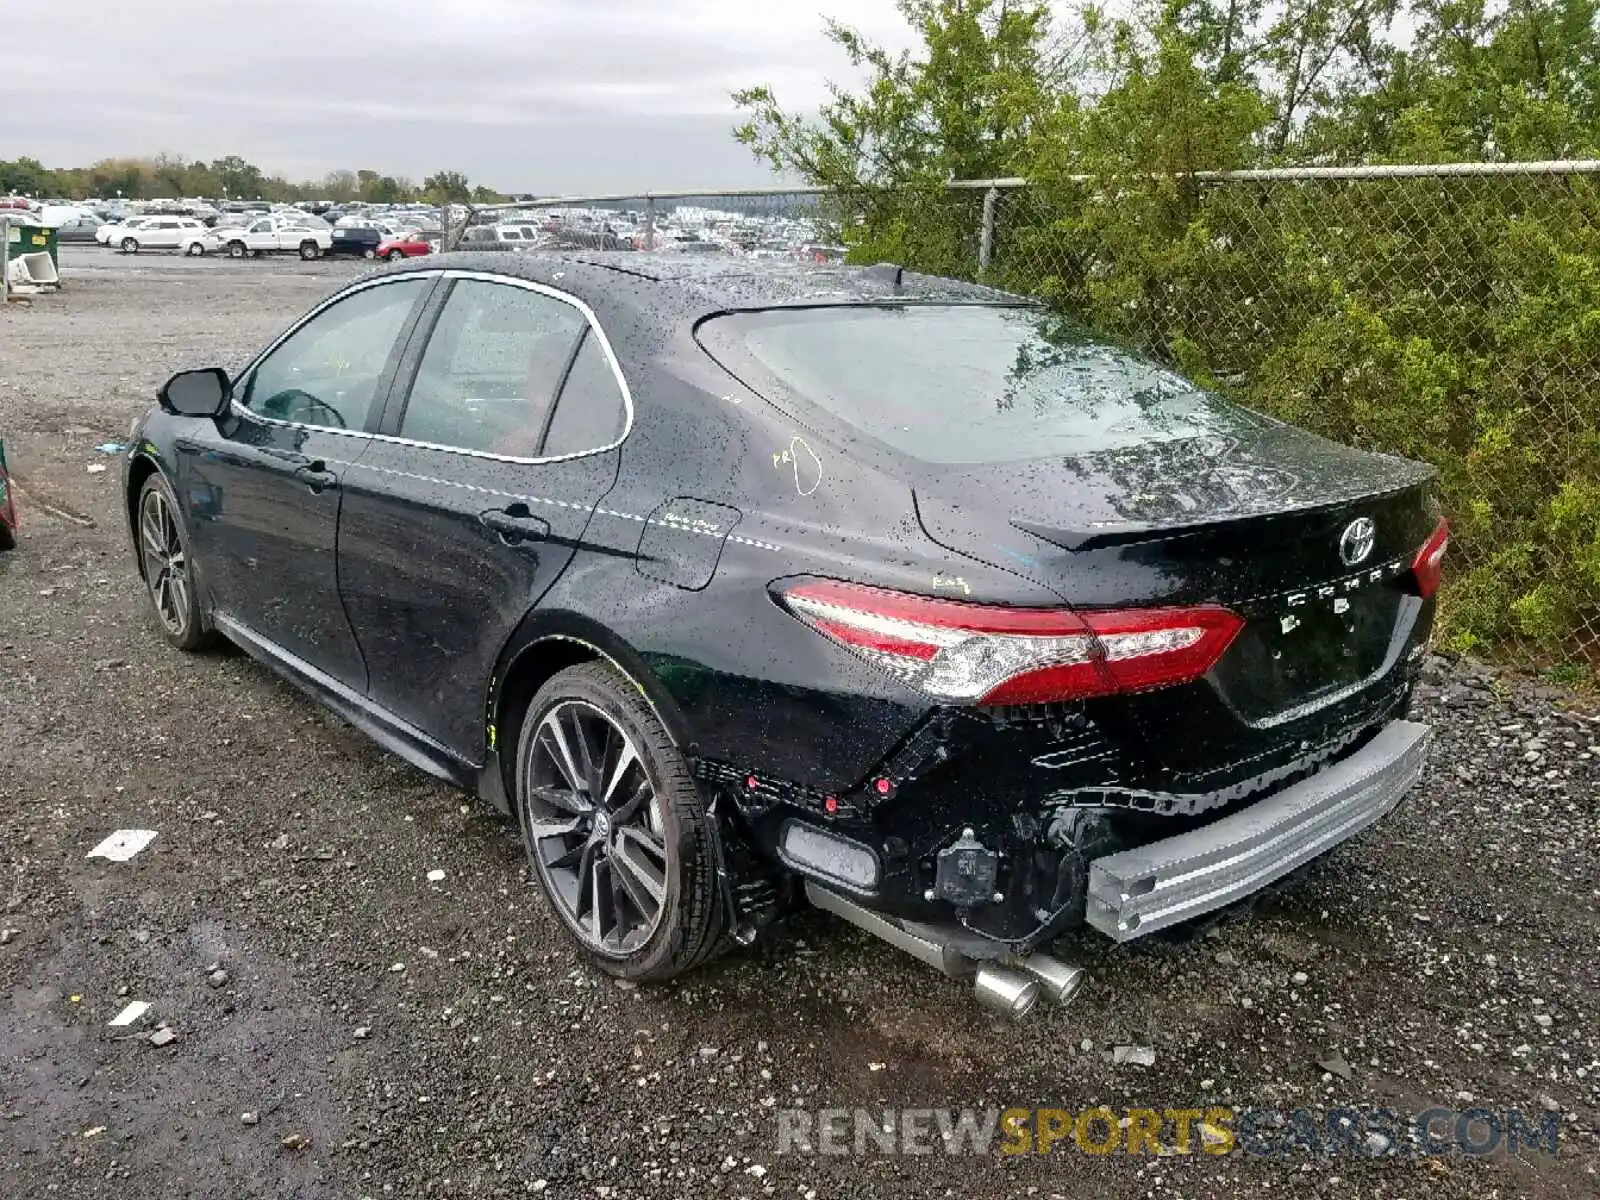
(1135, 892)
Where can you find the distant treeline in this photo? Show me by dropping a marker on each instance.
(170, 176)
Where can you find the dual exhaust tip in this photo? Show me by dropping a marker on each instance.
(1012, 989)
(1009, 986)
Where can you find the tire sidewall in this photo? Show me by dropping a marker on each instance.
(650, 740)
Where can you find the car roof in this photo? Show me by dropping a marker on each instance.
(669, 286)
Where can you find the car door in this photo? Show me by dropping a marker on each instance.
(260, 236)
(261, 486)
(457, 525)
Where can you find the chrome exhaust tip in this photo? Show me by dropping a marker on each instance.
(1006, 992)
(1060, 981)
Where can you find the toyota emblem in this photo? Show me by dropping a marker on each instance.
(1356, 542)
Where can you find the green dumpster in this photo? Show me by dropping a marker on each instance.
(31, 239)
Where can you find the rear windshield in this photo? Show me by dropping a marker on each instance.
(965, 383)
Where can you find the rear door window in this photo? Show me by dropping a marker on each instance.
(973, 383)
(491, 369)
(592, 412)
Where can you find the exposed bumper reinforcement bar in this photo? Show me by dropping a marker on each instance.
(1138, 891)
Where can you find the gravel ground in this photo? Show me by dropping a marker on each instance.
(346, 1026)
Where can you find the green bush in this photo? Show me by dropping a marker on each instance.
(1451, 320)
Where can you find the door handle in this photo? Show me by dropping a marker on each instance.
(316, 476)
(514, 523)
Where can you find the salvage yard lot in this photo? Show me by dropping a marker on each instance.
(346, 1026)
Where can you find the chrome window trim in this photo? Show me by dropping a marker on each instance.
(437, 273)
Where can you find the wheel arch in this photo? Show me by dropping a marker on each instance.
(139, 470)
(546, 643)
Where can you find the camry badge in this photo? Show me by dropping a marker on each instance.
(1357, 540)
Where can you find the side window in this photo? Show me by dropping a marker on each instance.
(327, 372)
(591, 412)
(491, 369)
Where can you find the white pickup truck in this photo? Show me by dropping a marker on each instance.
(269, 235)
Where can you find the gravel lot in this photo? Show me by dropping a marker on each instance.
(344, 1027)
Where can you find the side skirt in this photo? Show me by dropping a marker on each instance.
(382, 726)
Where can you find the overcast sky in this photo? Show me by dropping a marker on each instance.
(525, 95)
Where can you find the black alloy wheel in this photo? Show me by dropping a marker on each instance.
(616, 829)
(168, 567)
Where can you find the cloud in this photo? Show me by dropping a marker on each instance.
(562, 95)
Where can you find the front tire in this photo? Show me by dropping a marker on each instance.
(396, 255)
(308, 250)
(369, 252)
(130, 246)
(168, 567)
(195, 250)
(615, 828)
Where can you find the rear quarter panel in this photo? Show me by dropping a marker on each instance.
(757, 690)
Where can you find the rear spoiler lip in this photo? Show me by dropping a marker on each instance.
(1105, 534)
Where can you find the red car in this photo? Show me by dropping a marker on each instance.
(8, 506)
(413, 245)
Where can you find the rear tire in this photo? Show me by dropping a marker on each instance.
(369, 252)
(195, 250)
(627, 857)
(396, 255)
(308, 250)
(236, 250)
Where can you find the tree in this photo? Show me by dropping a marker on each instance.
(167, 175)
(1446, 320)
(340, 185)
(27, 176)
(239, 179)
(382, 189)
(123, 177)
(962, 107)
(447, 187)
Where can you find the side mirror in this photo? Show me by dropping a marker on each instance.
(202, 393)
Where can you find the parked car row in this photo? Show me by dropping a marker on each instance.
(307, 237)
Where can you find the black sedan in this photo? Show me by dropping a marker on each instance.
(354, 241)
(744, 583)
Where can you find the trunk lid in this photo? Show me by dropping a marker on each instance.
(1272, 525)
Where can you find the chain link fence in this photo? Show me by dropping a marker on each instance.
(1446, 313)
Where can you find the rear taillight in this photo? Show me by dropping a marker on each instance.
(996, 655)
(1428, 565)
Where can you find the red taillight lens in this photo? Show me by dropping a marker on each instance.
(996, 655)
(1428, 565)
